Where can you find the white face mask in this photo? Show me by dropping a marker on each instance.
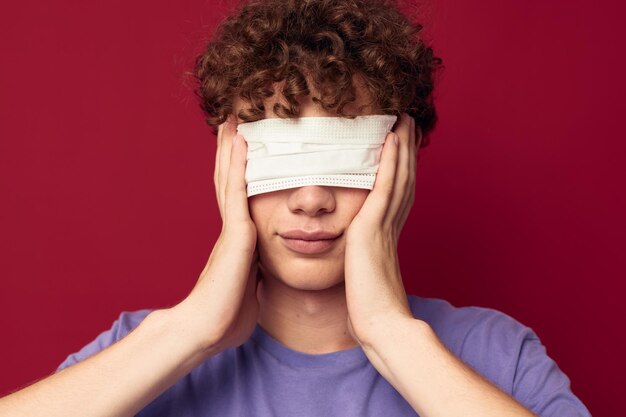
(331, 151)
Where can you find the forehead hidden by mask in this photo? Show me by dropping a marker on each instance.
(331, 151)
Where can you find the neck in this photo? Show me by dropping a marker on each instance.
(305, 320)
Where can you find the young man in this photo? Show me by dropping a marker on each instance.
(301, 310)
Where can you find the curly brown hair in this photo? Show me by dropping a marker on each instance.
(320, 45)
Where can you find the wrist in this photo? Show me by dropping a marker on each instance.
(179, 323)
(388, 334)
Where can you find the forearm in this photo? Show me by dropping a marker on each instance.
(432, 379)
(117, 381)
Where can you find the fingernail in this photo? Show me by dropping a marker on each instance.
(395, 138)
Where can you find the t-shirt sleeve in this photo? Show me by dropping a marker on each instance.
(504, 351)
(540, 384)
(126, 322)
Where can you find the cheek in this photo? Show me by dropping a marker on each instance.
(262, 207)
(354, 201)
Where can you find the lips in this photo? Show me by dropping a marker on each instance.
(309, 242)
(315, 235)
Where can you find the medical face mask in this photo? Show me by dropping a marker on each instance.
(331, 151)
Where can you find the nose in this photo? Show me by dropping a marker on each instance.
(311, 200)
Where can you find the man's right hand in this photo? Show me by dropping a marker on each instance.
(222, 308)
(220, 312)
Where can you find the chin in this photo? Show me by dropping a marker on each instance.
(306, 274)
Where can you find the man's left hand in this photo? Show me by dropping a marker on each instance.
(375, 293)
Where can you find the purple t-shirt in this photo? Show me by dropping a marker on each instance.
(263, 377)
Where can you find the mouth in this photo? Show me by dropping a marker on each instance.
(309, 243)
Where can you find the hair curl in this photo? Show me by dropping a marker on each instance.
(324, 44)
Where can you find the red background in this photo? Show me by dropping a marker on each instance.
(106, 175)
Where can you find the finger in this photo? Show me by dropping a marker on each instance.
(399, 196)
(229, 131)
(377, 201)
(420, 138)
(216, 171)
(413, 145)
(236, 198)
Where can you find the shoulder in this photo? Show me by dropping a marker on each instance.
(456, 324)
(505, 351)
(127, 321)
(124, 324)
(487, 339)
